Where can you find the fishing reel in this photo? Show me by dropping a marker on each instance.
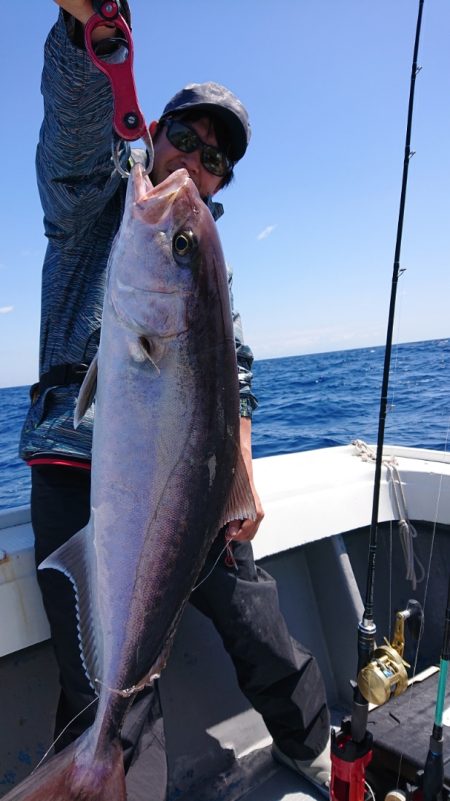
(385, 675)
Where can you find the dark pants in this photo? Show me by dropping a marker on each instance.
(280, 678)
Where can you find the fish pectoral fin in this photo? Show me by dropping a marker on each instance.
(153, 350)
(87, 392)
(147, 350)
(241, 503)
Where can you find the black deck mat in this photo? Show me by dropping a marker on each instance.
(401, 730)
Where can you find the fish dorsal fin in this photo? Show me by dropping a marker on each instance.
(76, 559)
(87, 392)
(241, 503)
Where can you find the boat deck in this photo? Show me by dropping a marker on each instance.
(270, 782)
(283, 786)
(255, 777)
(314, 542)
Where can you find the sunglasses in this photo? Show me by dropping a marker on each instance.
(185, 139)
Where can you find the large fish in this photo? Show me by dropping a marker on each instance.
(166, 466)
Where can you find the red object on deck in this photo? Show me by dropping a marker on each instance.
(348, 765)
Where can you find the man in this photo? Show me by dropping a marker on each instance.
(205, 129)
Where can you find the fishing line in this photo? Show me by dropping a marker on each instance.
(91, 703)
(395, 375)
(410, 698)
(433, 771)
(392, 411)
(394, 416)
(422, 623)
(427, 574)
(128, 692)
(225, 548)
(433, 537)
(425, 595)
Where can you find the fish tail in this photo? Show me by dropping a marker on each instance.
(75, 775)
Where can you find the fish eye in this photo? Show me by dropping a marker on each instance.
(184, 244)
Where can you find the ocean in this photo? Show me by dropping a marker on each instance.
(305, 402)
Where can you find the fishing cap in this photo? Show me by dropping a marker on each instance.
(218, 99)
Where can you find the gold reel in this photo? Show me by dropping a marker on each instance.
(385, 675)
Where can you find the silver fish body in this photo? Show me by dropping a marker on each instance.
(166, 465)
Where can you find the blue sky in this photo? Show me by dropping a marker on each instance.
(311, 219)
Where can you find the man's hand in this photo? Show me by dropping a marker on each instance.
(82, 10)
(244, 530)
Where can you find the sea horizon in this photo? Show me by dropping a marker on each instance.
(311, 401)
(293, 355)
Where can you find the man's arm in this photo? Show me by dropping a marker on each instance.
(76, 176)
(243, 530)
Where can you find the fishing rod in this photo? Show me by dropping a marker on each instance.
(433, 775)
(351, 747)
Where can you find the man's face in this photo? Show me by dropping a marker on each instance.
(168, 159)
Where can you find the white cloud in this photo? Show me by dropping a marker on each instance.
(266, 232)
(6, 309)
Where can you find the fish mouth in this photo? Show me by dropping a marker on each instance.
(163, 209)
(153, 202)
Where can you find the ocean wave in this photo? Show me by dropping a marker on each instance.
(305, 402)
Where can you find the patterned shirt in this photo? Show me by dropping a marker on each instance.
(83, 198)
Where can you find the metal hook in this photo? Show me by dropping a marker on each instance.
(148, 148)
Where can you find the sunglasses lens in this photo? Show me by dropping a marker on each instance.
(182, 137)
(185, 139)
(214, 161)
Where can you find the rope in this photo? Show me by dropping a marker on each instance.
(407, 531)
